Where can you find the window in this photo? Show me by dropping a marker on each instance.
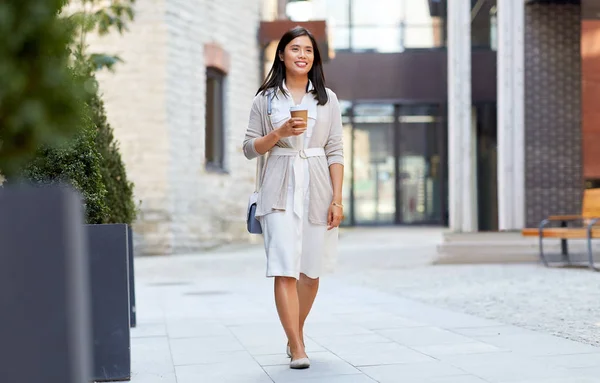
(385, 25)
(215, 127)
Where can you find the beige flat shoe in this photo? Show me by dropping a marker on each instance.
(288, 351)
(300, 364)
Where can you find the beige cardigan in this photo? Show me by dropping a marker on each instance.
(327, 134)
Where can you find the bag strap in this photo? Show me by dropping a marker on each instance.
(260, 161)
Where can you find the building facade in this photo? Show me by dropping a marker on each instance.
(389, 67)
(547, 131)
(473, 114)
(179, 106)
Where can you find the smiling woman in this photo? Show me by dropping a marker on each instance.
(299, 203)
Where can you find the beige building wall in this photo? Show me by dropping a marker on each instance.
(156, 103)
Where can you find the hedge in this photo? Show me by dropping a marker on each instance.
(119, 196)
(93, 165)
(77, 163)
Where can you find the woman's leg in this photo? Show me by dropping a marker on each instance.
(286, 300)
(307, 291)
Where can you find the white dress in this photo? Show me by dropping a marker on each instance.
(293, 245)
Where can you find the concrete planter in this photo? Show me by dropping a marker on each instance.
(44, 286)
(110, 274)
(132, 308)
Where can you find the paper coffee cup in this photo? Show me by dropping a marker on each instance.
(302, 112)
(299, 111)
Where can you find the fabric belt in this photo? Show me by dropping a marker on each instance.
(303, 153)
(299, 175)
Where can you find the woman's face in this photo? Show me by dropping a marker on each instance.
(298, 56)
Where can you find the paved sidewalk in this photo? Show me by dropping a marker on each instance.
(211, 318)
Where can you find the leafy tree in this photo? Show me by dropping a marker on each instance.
(39, 96)
(95, 16)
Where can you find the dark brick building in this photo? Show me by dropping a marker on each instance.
(562, 94)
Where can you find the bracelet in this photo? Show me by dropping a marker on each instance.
(337, 204)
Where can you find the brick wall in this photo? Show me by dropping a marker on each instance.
(156, 104)
(590, 88)
(552, 111)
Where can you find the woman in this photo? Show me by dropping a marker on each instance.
(300, 199)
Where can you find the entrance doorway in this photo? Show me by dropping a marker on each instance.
(399, 171)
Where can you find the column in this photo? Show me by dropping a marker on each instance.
(281, 13)
(511, 115)
(461, 135)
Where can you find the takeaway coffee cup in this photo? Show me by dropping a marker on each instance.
(300, 111)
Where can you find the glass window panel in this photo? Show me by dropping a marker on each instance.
(377, 12)
(493, 33)
(337, 11)
(419, 164)
(421, 29)
(345, 108)
(374, 179)
(379, 39)
(422, 36)
(417, 12)
(341, 36)
(214, 129)
(365, 110)
(347, 185)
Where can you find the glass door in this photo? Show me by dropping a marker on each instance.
(398, 166)
(419, 165)
(374, 164)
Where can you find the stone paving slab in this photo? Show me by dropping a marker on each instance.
(211, 318)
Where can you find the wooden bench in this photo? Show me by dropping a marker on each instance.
(589, 227)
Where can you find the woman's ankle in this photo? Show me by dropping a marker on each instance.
(298, 353)
(301, 341)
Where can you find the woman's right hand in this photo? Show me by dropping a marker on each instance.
(293, 127)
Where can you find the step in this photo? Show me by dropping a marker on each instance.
(504, 247)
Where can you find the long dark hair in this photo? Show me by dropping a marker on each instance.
(315, 75)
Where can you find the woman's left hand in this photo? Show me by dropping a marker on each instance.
(335, 215)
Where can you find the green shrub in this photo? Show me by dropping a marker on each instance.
(39, 98)
(77, 164)
(119, 196)
(91, 163)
